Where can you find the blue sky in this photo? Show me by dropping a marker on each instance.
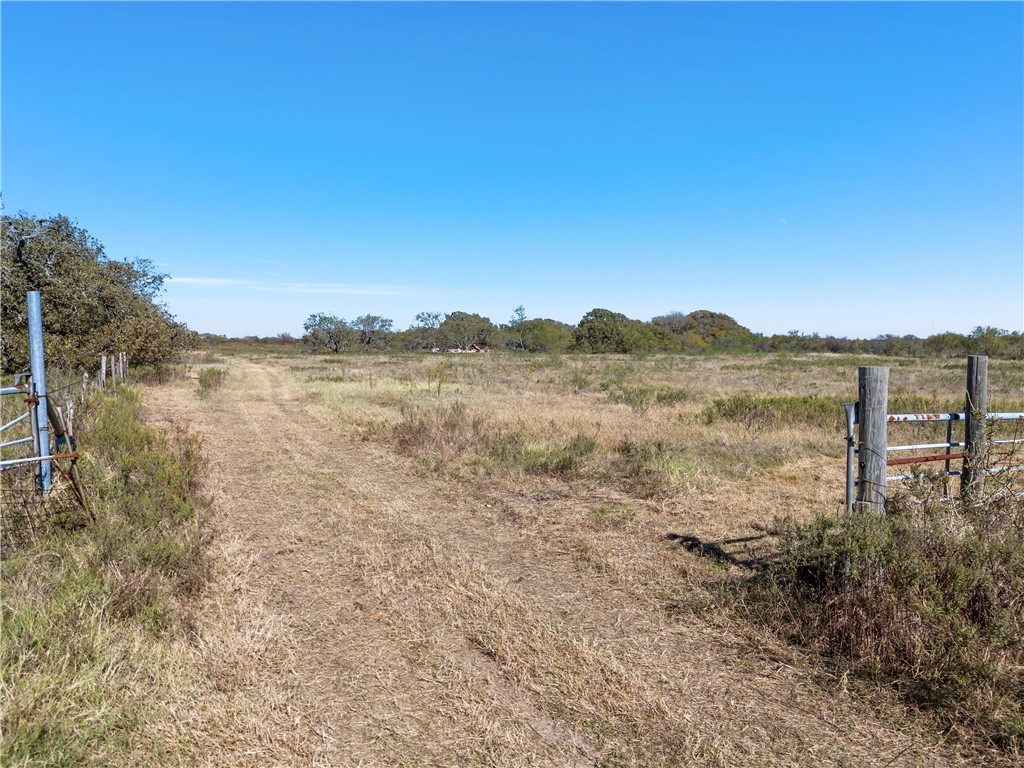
(848, 169)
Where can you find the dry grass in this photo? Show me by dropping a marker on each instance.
(488, 565)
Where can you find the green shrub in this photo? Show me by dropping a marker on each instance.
(210, 379)
(757, 412)
(513, 451)
(440, 432)
(640, 398)
(77, 681)
(927, 599)
(564, 459)
(644, 469)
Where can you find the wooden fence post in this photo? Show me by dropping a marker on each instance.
(85, 386)
(872, 412)
(972, 478)
(69, 419)
(103, 371)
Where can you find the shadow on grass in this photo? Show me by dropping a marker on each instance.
(717, 550)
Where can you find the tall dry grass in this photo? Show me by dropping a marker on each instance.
(716, 451)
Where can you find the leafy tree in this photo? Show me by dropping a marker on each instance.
(601, 330)
(545, 336)
(327, 333)
(514, 329)
(373, 331)
(463, 329)
(92, 305)
(706, 330)
(948, 344)
(424, 334)
(988, 340)
(703, 330)
(673, 322)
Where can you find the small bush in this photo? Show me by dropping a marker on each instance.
(210, 379)
(440, 432)
(513, 451)
(927, 599)
(160, 373)
(758, 413)
(580, 379)
(671, 395)
(442, 373)
(641, 398)
(644, 469)
(564, 459)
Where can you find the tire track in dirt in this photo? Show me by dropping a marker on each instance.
(428, 629)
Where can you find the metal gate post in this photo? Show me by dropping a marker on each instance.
(40, 417)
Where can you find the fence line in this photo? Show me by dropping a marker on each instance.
(867, 449)
(51, 438)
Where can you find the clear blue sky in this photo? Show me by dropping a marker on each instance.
(850, 169)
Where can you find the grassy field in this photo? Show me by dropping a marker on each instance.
(514, 560)
(96, 618)
(741, 459)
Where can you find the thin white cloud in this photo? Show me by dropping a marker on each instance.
(329, 289)
(208, 281)
(346, 289)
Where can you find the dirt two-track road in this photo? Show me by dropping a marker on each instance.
(367, 612)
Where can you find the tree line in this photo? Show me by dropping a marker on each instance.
(96, 305)
(604, 331)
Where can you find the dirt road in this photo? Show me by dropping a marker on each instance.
(367, 613)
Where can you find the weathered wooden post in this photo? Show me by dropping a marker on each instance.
(69, 419)
(972, 478)
(85, 386)
(103, 371)
(872, 406)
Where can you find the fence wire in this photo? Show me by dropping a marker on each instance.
(25, 515)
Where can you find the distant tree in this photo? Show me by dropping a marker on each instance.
(545, 336)
(424, 334)
(705, 330)
(602, 330)
(674, 322)
(327, 333)
(372, 331)
(514, 329)
(462, 329)
(987, 340)
(92, 305)
(948, 344)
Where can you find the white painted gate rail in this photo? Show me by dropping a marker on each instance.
(868, 454)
